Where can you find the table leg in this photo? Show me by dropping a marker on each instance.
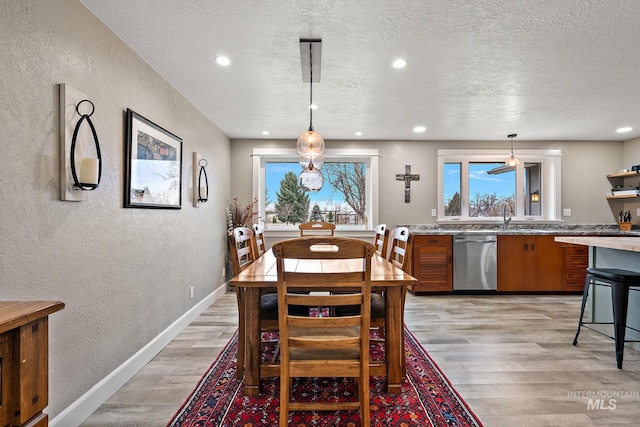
(252, 341)
(393, 339)
(240, 291)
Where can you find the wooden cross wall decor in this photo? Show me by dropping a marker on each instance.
(407, 178)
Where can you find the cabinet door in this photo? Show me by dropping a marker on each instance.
(545, 264)
(529, 263)
(432, 263)
(575, 260)
(513, 263)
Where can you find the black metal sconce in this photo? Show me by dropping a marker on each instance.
(203, 196)
(90, 168)
(535, 197)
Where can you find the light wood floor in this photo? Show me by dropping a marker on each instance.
(510, 357)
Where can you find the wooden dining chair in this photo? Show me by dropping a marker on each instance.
(324, 346)
(242, 247)
(400, 256)
(258, 232)
(316, 228)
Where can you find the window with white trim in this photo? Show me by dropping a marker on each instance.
(474, 186)
(273, 171)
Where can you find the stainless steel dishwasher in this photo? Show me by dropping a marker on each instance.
(474, 263)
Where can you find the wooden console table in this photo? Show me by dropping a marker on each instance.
(24, 361)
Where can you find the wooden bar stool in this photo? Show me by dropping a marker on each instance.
(620, 281)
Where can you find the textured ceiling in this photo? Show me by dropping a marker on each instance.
(477, 69)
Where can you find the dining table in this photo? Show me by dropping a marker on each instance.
(261, 276)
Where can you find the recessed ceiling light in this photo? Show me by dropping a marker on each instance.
(313, 106)
(223, 60)
(358, 133)
(418, 129)
(624, 129)
(399, 63)
(265, 132)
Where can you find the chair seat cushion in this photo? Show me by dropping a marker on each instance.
(269, 307)
(377, 308)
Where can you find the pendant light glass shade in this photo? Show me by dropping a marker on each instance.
(316, 161)
(311, 180)
(310, 141)
(512, 161)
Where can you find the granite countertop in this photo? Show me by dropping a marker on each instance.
(516, 229)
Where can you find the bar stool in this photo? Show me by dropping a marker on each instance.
(619, 281)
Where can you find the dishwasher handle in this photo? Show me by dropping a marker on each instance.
(475, 240)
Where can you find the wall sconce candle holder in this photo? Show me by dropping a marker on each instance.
(80, 172)
(90, 168)
(200, 180)
(203, 186)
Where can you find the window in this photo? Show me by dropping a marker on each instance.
(474, 186)
(348, 197)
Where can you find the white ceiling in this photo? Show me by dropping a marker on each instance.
(477, 69)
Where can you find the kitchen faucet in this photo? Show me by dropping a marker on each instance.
(504, 214)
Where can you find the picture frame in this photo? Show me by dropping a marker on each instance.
(153, 158)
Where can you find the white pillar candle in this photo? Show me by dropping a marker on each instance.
(88, 170)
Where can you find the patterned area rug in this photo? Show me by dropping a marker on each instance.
(427, 397)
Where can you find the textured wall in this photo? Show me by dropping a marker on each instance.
(124, 274)
(585, 165)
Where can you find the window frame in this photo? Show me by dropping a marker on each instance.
(369, 156)
(550, 161)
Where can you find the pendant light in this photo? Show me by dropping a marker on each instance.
(310, 143)
(512, 161)
(510, 164)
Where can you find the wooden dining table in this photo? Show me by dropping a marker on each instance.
(262, 275)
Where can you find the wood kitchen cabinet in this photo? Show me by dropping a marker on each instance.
(534, 263)
(24, 352)
(529, 263)
(575, 260)
(432, 264)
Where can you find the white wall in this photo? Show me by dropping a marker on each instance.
(584, 185)
(124, 274)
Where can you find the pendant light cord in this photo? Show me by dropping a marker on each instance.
(310, 87)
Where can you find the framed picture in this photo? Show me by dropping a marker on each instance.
(153, 158)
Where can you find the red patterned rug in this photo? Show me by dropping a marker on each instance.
(427, 398)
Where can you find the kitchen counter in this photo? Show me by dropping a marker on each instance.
(542, 229)
(611, 242)
(611, 252)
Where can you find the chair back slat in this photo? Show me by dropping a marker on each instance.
(381, 239)
(401, 243)
(258, 232)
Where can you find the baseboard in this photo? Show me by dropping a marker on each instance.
(82, 408)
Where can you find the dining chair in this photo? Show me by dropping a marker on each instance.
(381, 239)
(242, 247)
(316, 228)
(258, 232)
(378, 314)
(324, 346)
(400, 256)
